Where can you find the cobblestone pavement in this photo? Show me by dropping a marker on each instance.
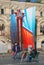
(6, 59)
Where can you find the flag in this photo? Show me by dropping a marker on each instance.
(28, 27)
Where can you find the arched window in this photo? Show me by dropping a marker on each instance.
(2, 27)
(42, 45)
(42, 27)
(43, 30)
(42, 42)
(41, 13)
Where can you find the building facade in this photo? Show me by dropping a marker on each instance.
(6, 8)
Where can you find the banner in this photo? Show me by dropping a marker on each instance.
(13, 28)
(28, 27)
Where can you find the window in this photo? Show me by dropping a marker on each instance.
(2, 11)
(2, 27)
(42, 29)
(43, 42)
(12, 11)
(41, 13)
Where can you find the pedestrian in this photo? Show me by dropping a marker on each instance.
(18, 48)
(18, 51)
(29, 57)
(13, 50)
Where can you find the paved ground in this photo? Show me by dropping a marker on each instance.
(8, 60)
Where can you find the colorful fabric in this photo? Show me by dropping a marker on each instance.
(28, 27)
(13, 28)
